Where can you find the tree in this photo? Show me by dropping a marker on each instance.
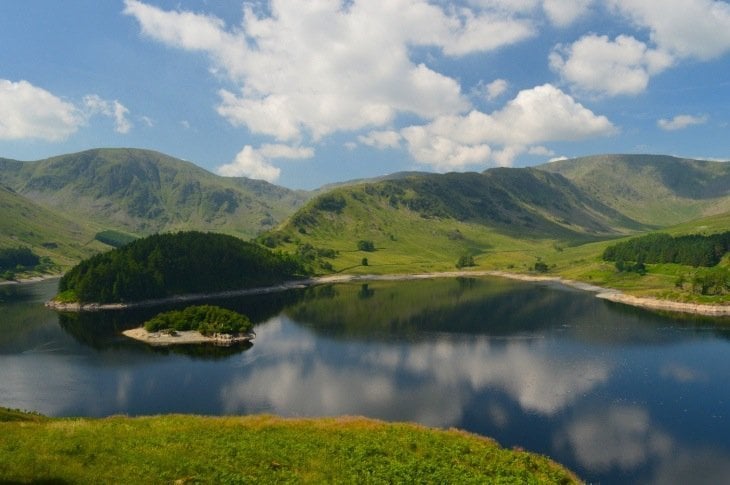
(465, 261)
(364, 261)
(366, 245)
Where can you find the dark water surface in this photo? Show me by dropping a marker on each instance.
(620, 395)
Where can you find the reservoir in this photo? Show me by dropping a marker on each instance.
(617, 394)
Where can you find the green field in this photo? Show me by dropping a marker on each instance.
(255, 449)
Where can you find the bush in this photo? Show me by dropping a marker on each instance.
(465, 261)
(541, 267)
(365, 245)
(364, 261)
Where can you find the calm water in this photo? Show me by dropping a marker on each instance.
(619, 395)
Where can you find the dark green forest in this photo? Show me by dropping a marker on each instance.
(11, 258)
(692, 250)
(169, 264)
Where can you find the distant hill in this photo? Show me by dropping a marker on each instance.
(423, 219)
(652, 189)
(143, 192)
(47, 233)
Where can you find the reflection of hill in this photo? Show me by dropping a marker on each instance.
(22, 315)
(483, 306)
(406, 309)
(462, 305)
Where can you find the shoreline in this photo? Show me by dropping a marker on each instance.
(184, 337)
(609, 294)
(32, 279)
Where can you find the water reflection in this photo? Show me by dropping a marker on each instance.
(623, 443)
(616, 436)
(620, 395)
(407, 381)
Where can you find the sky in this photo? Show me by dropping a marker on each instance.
(305, 93)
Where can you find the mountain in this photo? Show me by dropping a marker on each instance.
(144, 192)
(430, 220)
(45, 232)
(652, 189)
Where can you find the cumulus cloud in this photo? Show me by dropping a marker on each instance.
(381, 139)
(681, 122)
(94, 105)
(534, 116)
(30, 112)
(256, 162)
(562, 13)
(493, 90)
(684, 28)
(315, 68)
(596, 65)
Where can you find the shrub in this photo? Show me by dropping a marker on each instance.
(465, 261)
(365, 245)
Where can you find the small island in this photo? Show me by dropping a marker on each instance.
(199, 324)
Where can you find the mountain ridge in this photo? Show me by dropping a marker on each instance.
(143, 191)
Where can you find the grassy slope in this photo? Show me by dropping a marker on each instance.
(24, 223)
(142, 192)
(409, 240)
(426, 222)
(584, 263)
(257, 449)
(653, 189)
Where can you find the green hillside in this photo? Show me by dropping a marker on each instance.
(45, 232)
(652, 189)
(426, 222)
(143, 192)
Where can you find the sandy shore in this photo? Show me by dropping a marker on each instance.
(620, 297)
(601, 292)
(187, 337)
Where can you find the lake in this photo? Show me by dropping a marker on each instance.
(618, 394)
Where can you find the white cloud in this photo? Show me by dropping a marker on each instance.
(534, 116)
(442, 152)
(94, 104)
(495, 89)
(381, 139)
(315, 68)
(564, 12)
(255, 162)
(541, 151)
(596, 65)
(681, 122)
(30, 112)
(684, 28)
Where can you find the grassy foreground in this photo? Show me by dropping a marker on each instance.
(257, 449)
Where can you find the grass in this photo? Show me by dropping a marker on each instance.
(406, 242)
(258, 449)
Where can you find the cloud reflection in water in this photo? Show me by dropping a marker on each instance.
(405, 381)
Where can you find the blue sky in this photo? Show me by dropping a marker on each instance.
(307, 93)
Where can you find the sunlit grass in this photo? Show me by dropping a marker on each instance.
(258, 449)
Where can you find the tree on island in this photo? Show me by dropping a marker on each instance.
(206, 319)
